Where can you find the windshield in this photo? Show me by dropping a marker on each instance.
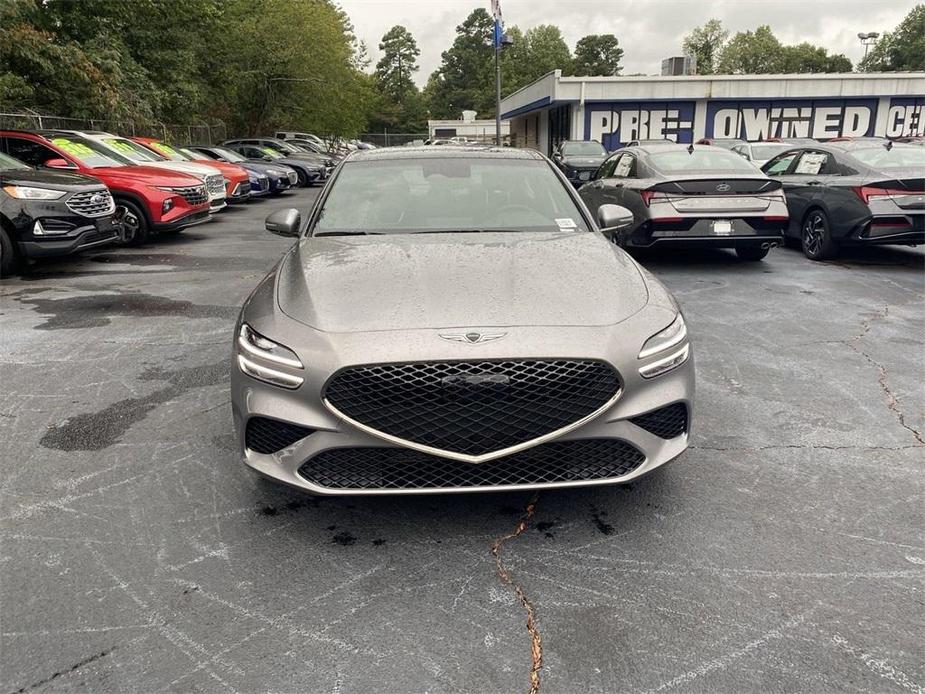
(131, 150)
(7, 163)
(283, 147)
(168, 151)
(897, 157)
(452, 195)
(272, 153)
(764, 152)
(89, 153)
(699, 161)
(228, 154)
(589, 149)
(191, 154)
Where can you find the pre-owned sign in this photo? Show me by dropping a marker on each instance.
(819, 118)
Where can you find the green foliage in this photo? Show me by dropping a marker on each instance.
(805, 57)
(465, 78)
(901, 49)
(706, 43)
(398, 63)
(751, 53)
(597, 55)
(546, 51)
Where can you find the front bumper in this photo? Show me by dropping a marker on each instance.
(83, 236)
(238, 193)
(196, 217)
(303, 407)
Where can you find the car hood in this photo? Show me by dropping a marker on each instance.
(232, 171)
(55, 180)
(584, 161)
(413, 281)
(145, 174)
(187, 167)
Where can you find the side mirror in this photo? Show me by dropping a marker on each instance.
(284, 222)
(614, 218)
(58, 163)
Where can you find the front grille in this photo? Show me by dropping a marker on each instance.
(215, 183)
(92, 203)
(472, 408)
(263, 435)
(264, 183)
(397, 468)
(194, 195)
(666, 422)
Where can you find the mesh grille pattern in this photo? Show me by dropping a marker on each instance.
(91, 203)
(194, 195)
(264, 435)
(472, 408)
(215, 183)
(398, 468)
(666, 422)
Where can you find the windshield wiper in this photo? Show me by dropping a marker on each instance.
(348, 233)
(469, 231)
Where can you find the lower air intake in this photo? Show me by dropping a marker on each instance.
(666, 422)
(402, 469)
(264, 435)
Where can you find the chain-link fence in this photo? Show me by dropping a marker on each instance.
(191, 133)
(393, 139)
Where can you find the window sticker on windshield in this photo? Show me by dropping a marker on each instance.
(567, 223)
(810, 163)
(268, 150)
(73, 148)
(119, 145)
(166, 149)
(623, 167)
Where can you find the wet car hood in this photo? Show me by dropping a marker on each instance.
(56, 180)
(408, 281)
(583, 161)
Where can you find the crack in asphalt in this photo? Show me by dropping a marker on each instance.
(506, 579)
(56, 675)
(892, 402)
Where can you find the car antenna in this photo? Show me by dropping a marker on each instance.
(690, 149)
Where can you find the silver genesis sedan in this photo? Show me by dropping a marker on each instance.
(454, 319)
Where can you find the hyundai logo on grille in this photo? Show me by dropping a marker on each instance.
(97, 198)
(473, 338)
(723, 187)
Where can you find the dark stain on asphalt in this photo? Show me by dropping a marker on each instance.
(95, 310)
(73, 668)
(344, 539)
(603, 527)
(94, 431)
(544, 527)
(179, 260)
(269, 511)
(293, 505)
(378, 542)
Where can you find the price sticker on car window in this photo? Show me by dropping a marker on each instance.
(120, 146)
(269, 150)
(566, 223)
(76, 149)
(811, 163)
(167, 149)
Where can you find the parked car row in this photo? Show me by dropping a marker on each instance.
(862, 191)
(63, 191)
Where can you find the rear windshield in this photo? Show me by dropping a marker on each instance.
(447, 195)
(90, 153)
(700, 161)
(898, 157)
(7, 163)
(589, 149)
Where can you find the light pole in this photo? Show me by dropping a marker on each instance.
(868, 39)
(499, 41)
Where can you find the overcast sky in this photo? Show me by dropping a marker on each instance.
(648, 30)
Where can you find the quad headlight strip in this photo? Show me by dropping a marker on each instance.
(672, 341)
(254, 348)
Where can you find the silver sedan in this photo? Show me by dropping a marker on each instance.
(453, 319)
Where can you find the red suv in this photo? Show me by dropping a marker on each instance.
(237, 182)
(148, 200)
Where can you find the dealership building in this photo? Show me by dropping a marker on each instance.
(616, 110)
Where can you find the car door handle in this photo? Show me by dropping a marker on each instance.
(814, 183)
(617, 185)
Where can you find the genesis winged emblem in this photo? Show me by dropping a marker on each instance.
(472, 338)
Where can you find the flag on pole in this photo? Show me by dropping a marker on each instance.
(499, 30)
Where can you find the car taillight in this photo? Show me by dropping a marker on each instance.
(649, 195)
(869, 195)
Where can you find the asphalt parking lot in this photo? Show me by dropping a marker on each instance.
(783, 552)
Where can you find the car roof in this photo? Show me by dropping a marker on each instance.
(448, 151)
(662, 147)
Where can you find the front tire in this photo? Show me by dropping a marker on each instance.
(135, 230)
(303, 179)
(751, 253)
(816, 236)
(9, 258)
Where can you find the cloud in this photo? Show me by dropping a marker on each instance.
(648, 30)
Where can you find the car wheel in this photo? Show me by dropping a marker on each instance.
(752, 252)
(8, 255)
(134, 223)
(303, 179)
(817, 237)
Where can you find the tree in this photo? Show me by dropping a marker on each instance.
(398, 63)
(901, 49)
(546, 51)
(597, 54)
(805, 57)
(465, 77)
(706, 43)
(751, 53)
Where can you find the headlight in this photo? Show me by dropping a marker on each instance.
(27, 193)
(672, 341)
(254, 348)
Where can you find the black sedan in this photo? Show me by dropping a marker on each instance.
(301, 160)
(694, 195)
(860, 192)
(48, 213)
(579, 159)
